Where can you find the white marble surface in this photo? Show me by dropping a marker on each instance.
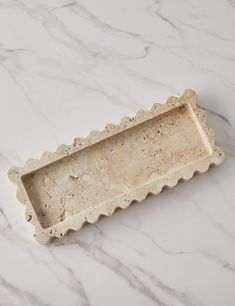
(67, 67)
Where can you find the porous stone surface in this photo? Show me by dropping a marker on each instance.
(110, 169)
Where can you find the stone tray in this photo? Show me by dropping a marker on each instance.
(112, 168)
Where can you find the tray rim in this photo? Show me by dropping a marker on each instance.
(45, 235)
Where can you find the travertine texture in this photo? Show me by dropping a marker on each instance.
(110, 169)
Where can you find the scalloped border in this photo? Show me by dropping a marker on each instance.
(107, 208)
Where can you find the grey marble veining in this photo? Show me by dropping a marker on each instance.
(67, 67)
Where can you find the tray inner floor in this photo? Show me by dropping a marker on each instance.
(115, 166)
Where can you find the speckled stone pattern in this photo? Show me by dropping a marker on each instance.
(112, 168)
(115, 166)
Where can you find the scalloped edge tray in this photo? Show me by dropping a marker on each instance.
(110, 169)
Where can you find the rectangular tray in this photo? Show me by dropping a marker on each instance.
(110, 169)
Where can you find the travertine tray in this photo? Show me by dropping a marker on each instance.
(110, 169)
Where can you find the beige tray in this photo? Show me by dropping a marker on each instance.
(110, 169)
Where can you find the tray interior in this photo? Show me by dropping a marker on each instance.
(116, 165)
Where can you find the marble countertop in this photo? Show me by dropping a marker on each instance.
(67, 67)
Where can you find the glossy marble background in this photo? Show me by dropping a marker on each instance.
(67, 67)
